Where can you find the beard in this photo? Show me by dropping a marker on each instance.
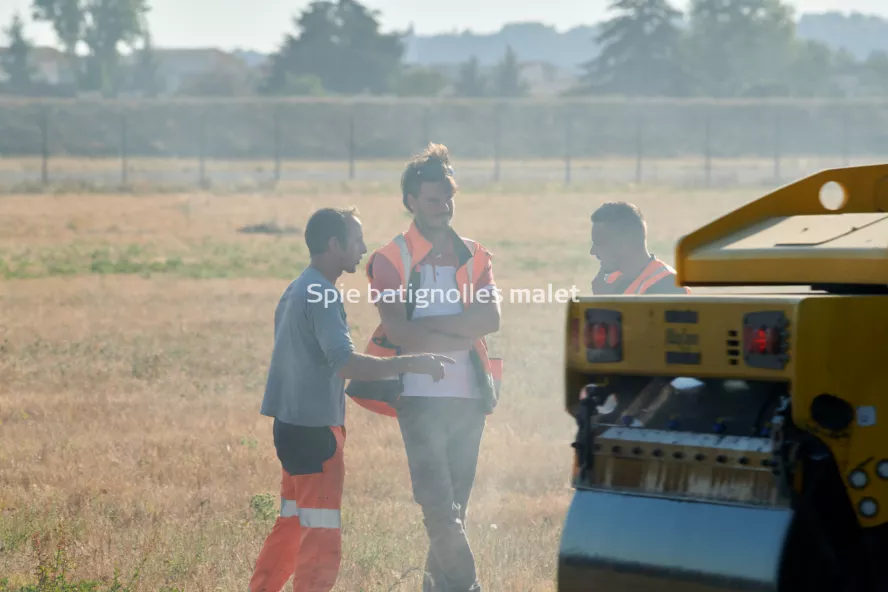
(439, 219)
(607, 267)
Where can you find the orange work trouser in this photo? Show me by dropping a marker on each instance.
(305, 541)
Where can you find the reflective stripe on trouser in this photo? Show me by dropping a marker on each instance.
(305, 541)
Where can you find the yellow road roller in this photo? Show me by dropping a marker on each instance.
(737, 438)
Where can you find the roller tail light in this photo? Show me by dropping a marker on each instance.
(766, 340)
(603, 335)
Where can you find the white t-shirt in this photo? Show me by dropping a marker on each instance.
(439, 296)
(460, 381)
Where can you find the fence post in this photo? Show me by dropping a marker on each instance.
(707, 149)
(276, 122)
(426, 126)
(44, 142)
(567, 147)
(201, 138)
(777, 139)
(639, 150)
(351, 146)
(124, 165)
(496, 145)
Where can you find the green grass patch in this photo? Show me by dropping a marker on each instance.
(277, 258)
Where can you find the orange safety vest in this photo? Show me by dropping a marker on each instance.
(403, 252)
(653, 272)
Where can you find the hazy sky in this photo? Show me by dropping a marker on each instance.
(227, 23)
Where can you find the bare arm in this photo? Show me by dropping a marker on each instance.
(335, 342)
(477, 320)
(364, 367)
(413, 336)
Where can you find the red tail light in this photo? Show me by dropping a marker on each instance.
(603, 335)
(762, 340)
(613, 336)
(599, 335)
(766, 339)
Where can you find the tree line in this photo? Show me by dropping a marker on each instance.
(103, 28)
(648, 48)
(721, 48)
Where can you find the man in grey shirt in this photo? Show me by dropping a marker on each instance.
(313, 356)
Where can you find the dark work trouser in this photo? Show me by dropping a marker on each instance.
(306, 540)
(442, 437)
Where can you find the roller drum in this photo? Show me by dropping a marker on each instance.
(619, 542)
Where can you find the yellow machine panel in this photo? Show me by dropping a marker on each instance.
(790, 237)
(738, 441)
(679, 334)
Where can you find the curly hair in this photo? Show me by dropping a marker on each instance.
(432, 165)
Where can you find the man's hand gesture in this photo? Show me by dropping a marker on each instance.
(431, 364)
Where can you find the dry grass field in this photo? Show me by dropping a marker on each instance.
(69, 174)
(135, 332)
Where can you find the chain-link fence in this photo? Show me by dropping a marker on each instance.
(264, 142)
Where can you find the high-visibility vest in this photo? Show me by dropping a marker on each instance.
(653, 272)
(404, 252)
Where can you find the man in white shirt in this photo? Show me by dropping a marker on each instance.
(441, 422)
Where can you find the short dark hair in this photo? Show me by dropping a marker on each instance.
(325, 224)
(432, 165)
(623, 214)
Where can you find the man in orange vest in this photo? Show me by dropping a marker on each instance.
(619, 242)
(435, 293)
(313, 355)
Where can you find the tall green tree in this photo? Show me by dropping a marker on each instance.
(639, 51)
(103, 26)
(339, 42)
(67, 18)
(507, 80)
(110, 24)
(17, 60)
(740, 47)
(874, 74)
(146, 77)
(814, 70)
(469, 81)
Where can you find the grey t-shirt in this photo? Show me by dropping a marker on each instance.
(311, 344)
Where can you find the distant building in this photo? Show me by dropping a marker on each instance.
(50, 65)
(545, 79)
(188, 71)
